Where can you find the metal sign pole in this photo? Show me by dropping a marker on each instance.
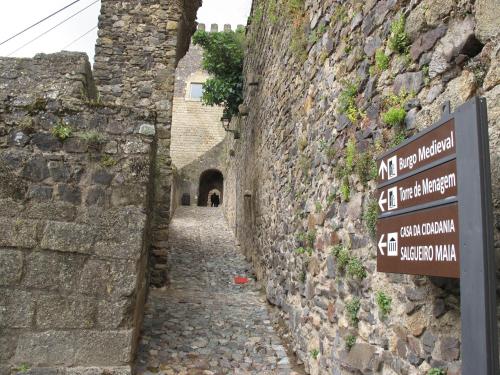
(477, 264)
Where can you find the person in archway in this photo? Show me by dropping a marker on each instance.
(213, 199)
(216, 200)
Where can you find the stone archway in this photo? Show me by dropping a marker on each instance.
(211, 179)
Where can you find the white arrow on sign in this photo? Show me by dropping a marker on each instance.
(382, 244)
(382, 169)
(382, 201)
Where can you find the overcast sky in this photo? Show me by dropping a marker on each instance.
(19, 14)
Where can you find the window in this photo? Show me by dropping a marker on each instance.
(195, 91)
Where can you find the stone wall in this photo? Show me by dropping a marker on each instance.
(73, 238)
(301, 179)
(85, 186)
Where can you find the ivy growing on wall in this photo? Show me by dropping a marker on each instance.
(223, 54)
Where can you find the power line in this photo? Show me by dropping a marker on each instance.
(52, 28)
(39, 22)
(80, 37)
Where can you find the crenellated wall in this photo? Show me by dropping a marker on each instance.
(300, 190)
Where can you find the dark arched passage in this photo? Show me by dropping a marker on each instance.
(211, 179)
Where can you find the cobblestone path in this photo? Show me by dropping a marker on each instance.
(203, 323)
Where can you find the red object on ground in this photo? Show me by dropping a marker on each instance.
(240, 280)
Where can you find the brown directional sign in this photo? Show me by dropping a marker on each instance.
(431, 146)
(425, 242)
(439, 182)
(434, 193)
(418, 186)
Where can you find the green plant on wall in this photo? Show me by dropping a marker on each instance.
(345, 189)
(317, 34)
(92, 137)
(62, 131)
(394, 116)
(107, 161)
(295, 7)
(272, 11)
(355, 269)
(347, 101)
(318, 207)
(399, 137)
(258, 14)
(384, 303)
(350, 156)
(352, 309)
(298, 43)
(315, 353)
(436, 371)
(381, 60)
(342, 255)
(223, 59)
(370, 217)
(311, 238)
(366, 167)
(399, 41)
(340, 14)
(23, 368)
(350, 341)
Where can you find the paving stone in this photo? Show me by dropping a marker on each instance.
(202, 322)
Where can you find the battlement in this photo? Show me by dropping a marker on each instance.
(215, 27)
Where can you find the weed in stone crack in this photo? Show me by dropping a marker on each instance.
(61, 131)
(352, 309)
(303, 276)
(302, 143)
(366, 167)
(107, 161)
(384, 303)
(347, 101)
(399, 41)
(350, 340)
(295, 6)
(350, 156)
(370, 217)
(340, 14)
(381, 60)
(23, 368)
(331, 198)
(315, 353)
(301, 236)
(92, 137)
(342, 255)
(436, 371)
(399, 137)
(311, 238)
(345, 189)
(394, 116)
(272, 11)
(317, 34)
(318, 207)
(355, 269)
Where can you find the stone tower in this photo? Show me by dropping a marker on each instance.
(139, 46)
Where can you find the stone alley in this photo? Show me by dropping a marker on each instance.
(202, 322)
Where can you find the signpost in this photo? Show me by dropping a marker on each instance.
(434, 194)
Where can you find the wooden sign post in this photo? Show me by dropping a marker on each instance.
(434, 194)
